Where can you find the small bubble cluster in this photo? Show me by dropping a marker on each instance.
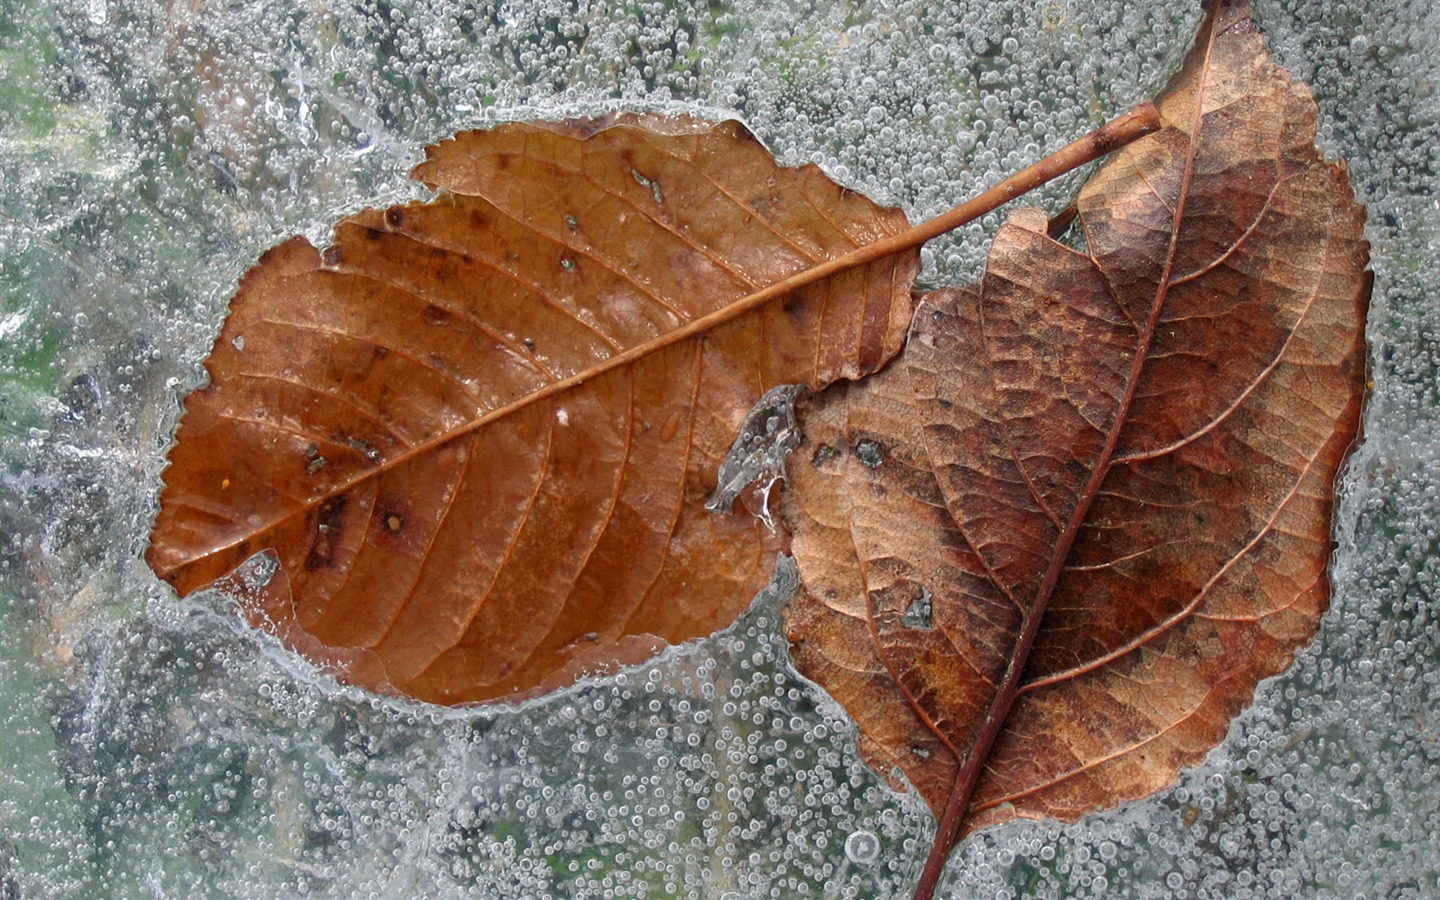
(149, 152)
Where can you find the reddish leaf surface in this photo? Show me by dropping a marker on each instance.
(1048, 553)
(476, 432)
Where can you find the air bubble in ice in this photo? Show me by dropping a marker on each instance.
(862, 847)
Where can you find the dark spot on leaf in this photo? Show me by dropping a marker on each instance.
(322, 552)
(365, 447)
(871, 453)
(434, 315)
(823, 454)
(696, 492)
(330, 256)
(651, 183)
(920, 614)
(394, 217)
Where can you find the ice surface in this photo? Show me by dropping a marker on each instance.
(756, 459)
(150, 151)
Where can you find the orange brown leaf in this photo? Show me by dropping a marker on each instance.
(476, 432)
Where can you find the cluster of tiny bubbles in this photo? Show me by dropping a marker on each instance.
(924, 107)
(150, 151)
(710, 772)
(201, 759)
(290, 113)
(1373, 693)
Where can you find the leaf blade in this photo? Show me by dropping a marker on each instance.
(351, 478)
(1130, 453)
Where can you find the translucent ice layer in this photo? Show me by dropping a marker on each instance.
(149, 152)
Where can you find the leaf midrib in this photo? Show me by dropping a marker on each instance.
(957, 807)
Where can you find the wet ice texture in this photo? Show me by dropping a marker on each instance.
(149, 153)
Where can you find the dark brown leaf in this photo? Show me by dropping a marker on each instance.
(1048, 554)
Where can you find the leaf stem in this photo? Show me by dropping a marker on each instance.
(1140, 120)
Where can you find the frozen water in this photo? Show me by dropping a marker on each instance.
(757, 456)
(150, 151)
